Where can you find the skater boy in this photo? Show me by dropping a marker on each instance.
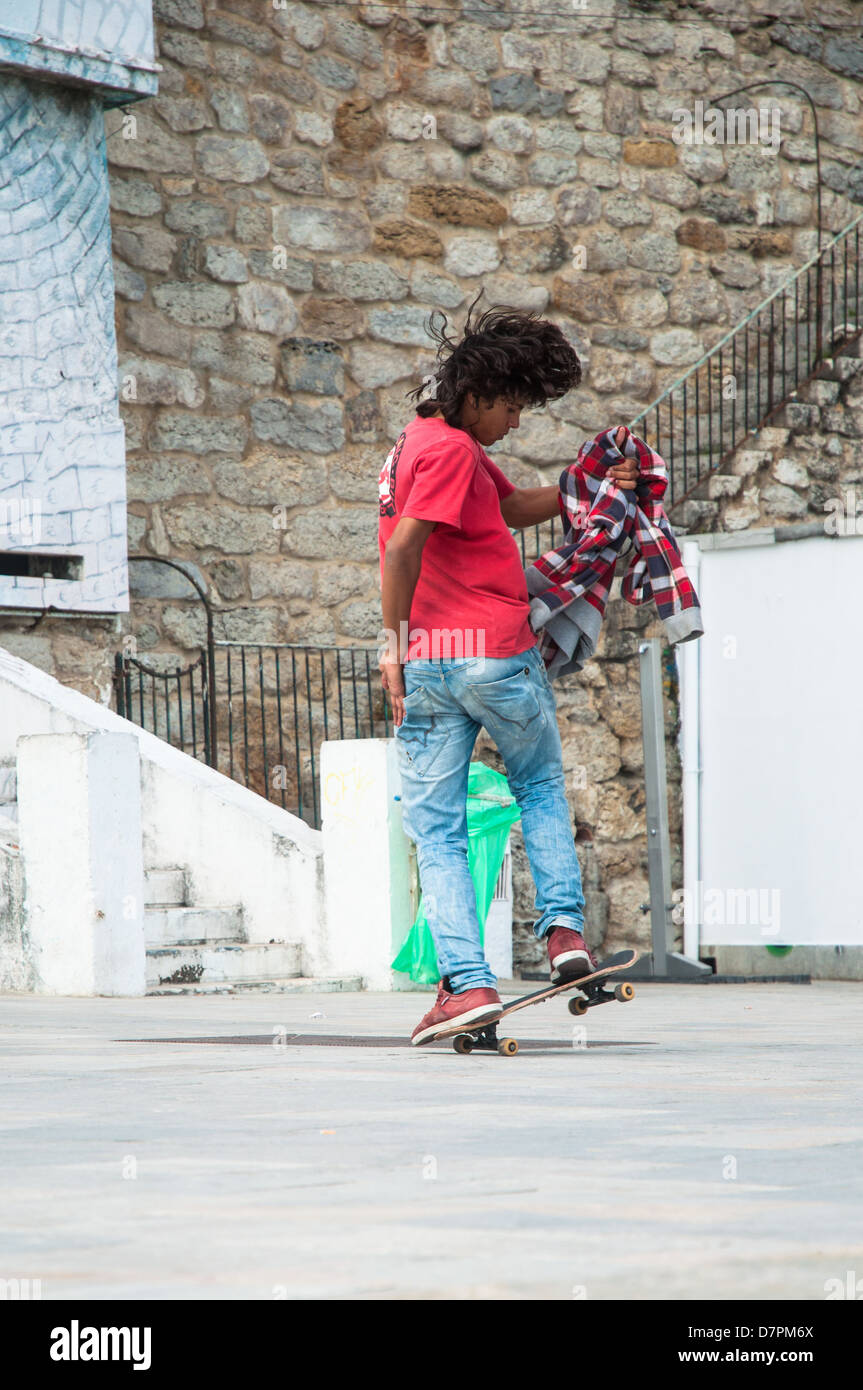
(461, 654)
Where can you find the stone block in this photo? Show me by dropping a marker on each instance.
(246, 358)
(315, 366)
(456, 204)
(154, 333)
(515, 290)
(195, 305)
(197, 217)
(362, 279)
(229, 578)
(723, 485)
(372, 366)
(321, 228)
(145, 382)
(135, 196)
(281, 579)
(405, 324)
(231, 160)
(783, 502)
(225, 263)
(267, 308)
(472, 255)
(150, 579)
(293, 272)
(128, 284)
(349, 532)
(313, 127)
(271, 479)
(461, 131)
(402, 237)
(356, 125)
(434, 289)
(336, 317)
(318, 428)
(194, 433)
(650, 154)
(271, 117)
(676, 347)
(229, 530)
(158, 478)
(579, 205)
(496, 169)
(529, 251)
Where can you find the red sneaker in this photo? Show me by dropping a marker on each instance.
(453, 1012)
(569, 955)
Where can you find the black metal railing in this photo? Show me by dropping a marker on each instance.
(279, 702)
(169, 700)
(757, 368)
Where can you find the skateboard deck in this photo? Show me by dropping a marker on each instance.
(592, 991)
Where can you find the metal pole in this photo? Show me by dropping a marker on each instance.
(658, 847)
(663, 962)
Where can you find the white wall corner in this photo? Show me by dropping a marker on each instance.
(79, 802)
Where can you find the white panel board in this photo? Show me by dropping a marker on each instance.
(782, 745)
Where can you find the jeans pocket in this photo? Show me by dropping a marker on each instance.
(421, 735)
(512, 702)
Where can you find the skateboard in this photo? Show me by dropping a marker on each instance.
(592, 992)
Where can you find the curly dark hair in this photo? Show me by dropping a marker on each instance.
(506, 352)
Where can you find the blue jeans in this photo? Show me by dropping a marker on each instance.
(446, 704)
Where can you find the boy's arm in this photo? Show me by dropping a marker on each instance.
(402, 563)
(528, 506)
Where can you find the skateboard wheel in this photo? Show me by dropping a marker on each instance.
(507, 1047)
(624, 992)
(462, 1043)
(578, 1005)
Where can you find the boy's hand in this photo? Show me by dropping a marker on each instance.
(625, 473)
(393, 682)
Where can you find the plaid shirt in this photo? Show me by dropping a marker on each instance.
(570, 585)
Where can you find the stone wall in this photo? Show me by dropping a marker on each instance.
(313, 179)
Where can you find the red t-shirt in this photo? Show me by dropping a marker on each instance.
(471, 598)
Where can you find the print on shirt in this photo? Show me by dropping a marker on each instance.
(387, 479)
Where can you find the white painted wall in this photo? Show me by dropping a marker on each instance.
(239, 848)
(781, 739)
(79, 811)
(366, 859)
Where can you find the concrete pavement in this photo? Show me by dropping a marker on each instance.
(705, 1144)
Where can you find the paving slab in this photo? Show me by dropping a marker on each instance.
(701, 1142)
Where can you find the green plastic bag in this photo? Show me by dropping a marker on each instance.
(491, 811)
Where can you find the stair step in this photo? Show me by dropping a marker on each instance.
(164, 888)
(846, 367)
(293, 984)
(180, 926)
(224, 964)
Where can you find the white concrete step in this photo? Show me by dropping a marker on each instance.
(165, 887)
(845, 367)
(293, 984)
(184, 926)
(222, 964)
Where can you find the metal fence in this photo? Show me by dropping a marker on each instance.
(279, 702)
(169, 700)
(274, 705)
(754, 370)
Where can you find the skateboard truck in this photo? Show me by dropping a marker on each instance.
(485, 1040)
